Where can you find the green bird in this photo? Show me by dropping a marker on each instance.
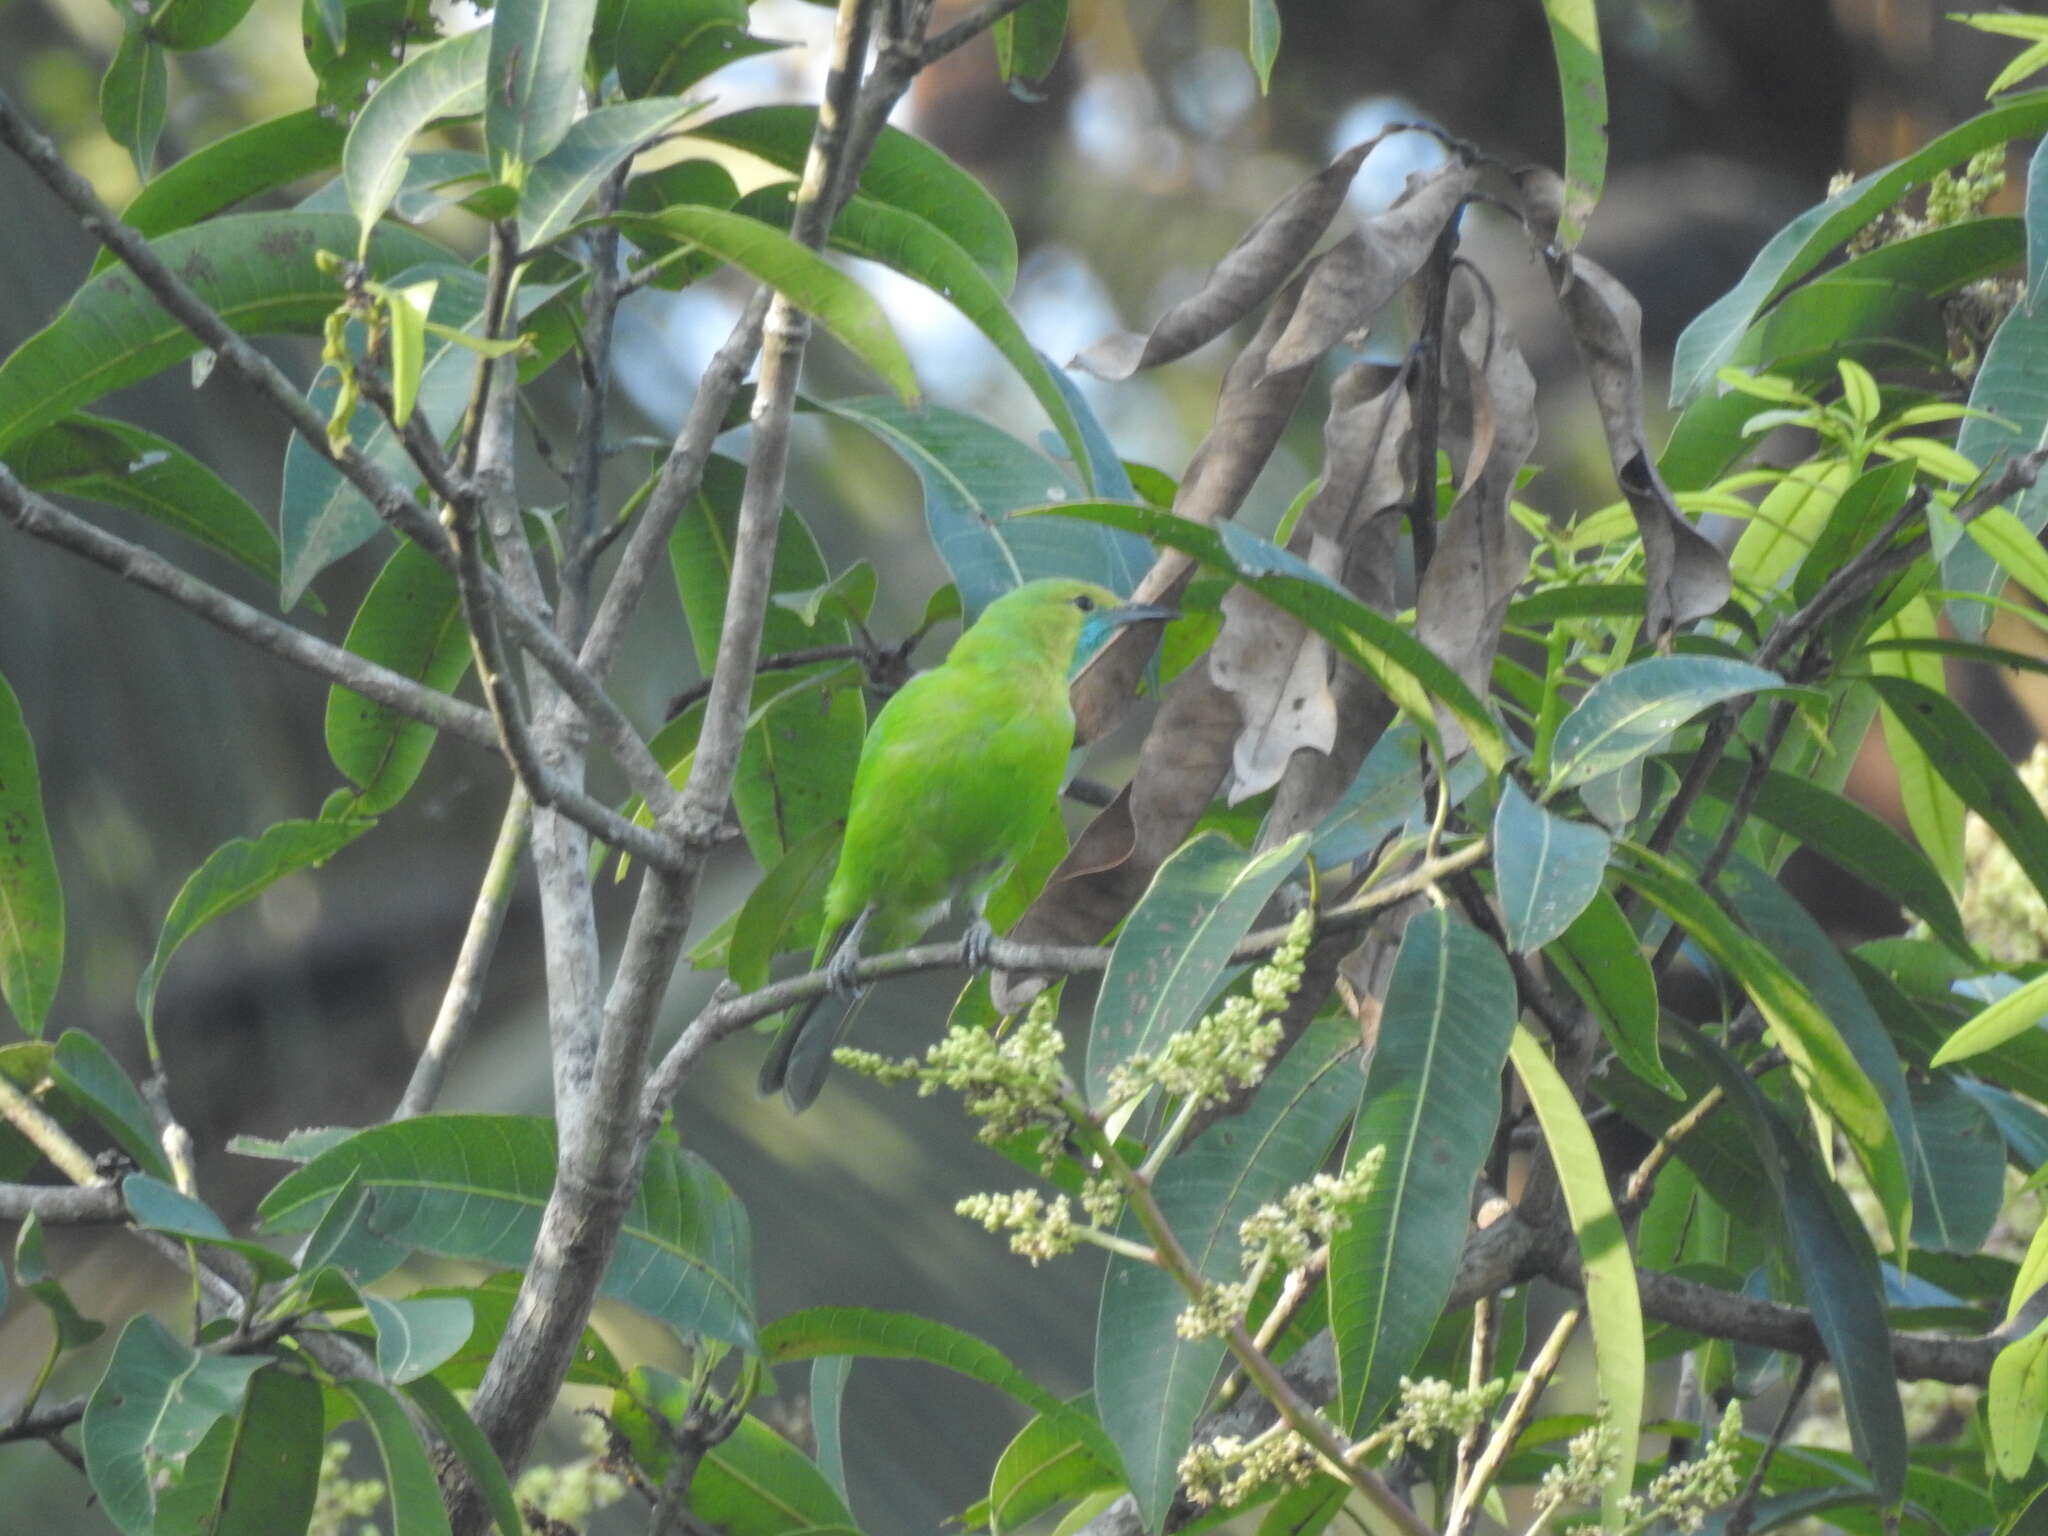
(955, 779)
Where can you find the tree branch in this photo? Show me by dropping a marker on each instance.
(62, 1205)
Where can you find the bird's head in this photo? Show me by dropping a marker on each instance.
(1059, 618)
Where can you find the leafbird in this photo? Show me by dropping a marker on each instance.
(957, 775)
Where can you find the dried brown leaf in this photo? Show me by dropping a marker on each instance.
(1252, 410)
(1253, 268)
(1686, 573)
(1279, 672)
(1483, 553)
(1357, 277)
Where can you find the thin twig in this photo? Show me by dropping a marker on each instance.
(45, 1134)
(1743, 1515)
(1636, 1194)
(601, 308)
(62, 1205)
(1465, 1499)
(464, 997)
(963, 31)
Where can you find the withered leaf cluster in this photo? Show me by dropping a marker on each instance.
(1271, 707)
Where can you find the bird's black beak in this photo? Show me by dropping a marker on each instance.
(1135, 613)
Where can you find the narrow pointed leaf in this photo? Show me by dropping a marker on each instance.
(1612, 1305)
(2012, 1015)
(1809, 239)
(828, 1396)
(1045, 1465)
(2009, 388)
(443, 80)
(1959, 1181)
(2016, 1404)
(32, 1273)
(151, 1409)
(453, 1423)
(1432, 1099)
(416, 1506)
(410, 621)
(535, 75)
(1602, 958)
(975, 478)
(255, 269)
(416, 1335)
(236, 872)
(1627, 714)
(1175, 947)
(1825, 1068)
(158, 1207)
(31, 898)
(1150, 1382)
(473, 1187)
(1971, 764)
(134, 95)
(118, 465)
(871, 1334)
(1582, 83)
(902, 171)
(569, 176)
(90, 1074)
(1028, 42)
(1547, 868)
(800, 275)
(260, 158)
(1262, 43)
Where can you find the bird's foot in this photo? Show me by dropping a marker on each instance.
(839, 971)
(975, 944)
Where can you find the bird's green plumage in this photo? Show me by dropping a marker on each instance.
(955, 780)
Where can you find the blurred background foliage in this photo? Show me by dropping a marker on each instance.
(1148, 152)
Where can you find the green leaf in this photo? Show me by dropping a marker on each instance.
(1973, 766)
(783, 910)
(85, 1070)
(1356, 632)
(1808, 240)
(410, 621)
(902, 171)
(1859, 514)
(2012, 1015)
(238, 871)
(473, 1187)
(256, 270)
(417, 1335)
(591, 150)
(850, 595)
(1174, 950)
(1582, 83)
(1432, 1099)
(453, 1423)
(2009, 388)
(117, 465)
(800, 275)
(866, 1333)
(536, 74)
(149, 1412)
(1602, 959)
(1151, 1383)
(2016, 1405)
(490, 1305)
(157, 1207)
(1627, 714)
(134, 95)
(266, 1471)
(1262, 42)
(1824, 1066)
(443, 80)
(1028, 43)
(187, 24)
(32, 1273)
(663, 47)
(1046, 1464)
(909, 244)
(1784, 927)
(1788, 523)
(754, 1484)
(1845, 834)
(1838, 1275)
(1547, 869)
(260, 158)
(796, 766)
(975, 478)
(828, 1395)
(31, 897)
(2013, 546)
(1612, 1305)
(409, 1483)
(1959, 1180)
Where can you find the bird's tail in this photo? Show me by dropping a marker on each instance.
(802, 1053)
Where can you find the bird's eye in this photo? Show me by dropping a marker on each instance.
(1085, 603)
